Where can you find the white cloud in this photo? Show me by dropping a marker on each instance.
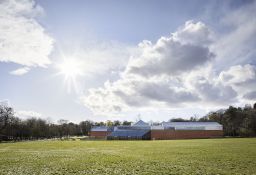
(180, 70)
(20, 71)
(27, 114)
(23, 40)
(196, 33)
(153, 79)
(176, 54)
(215, 93)
(240, 78)
(238, 74)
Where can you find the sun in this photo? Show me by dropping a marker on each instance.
(70, 68)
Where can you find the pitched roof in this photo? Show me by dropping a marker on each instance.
(140, 123)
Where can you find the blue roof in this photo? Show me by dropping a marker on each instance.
(129, 133)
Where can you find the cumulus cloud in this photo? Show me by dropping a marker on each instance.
(194, 33)
(241, 78)
(154, 77)
(212, 92)
(23, 40)
(194, 66)
(125, 94)
(238, 74)
(175, 54)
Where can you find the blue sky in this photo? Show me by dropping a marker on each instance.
(102, 60)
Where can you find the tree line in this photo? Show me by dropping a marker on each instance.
(236, 122)
(14, 128)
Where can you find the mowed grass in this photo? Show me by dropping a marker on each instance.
(199, 156)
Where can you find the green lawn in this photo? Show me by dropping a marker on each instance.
(205, 156)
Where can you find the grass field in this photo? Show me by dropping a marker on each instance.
(205, 156)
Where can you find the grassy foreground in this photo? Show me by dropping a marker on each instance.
(206, 156)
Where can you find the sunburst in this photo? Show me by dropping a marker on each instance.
(71, 69)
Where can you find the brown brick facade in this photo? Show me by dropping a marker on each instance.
(99, 134)
(182, 134)
(169, 134)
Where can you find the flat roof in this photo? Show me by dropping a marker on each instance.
(191, 124)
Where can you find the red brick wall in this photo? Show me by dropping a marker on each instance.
(181, 134)
(99, 133)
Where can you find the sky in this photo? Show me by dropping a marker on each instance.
(123, 60)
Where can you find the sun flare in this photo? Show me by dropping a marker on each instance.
(70, 68)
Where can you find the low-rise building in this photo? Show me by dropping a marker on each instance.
(138, 131)
(100, 132)
(186, 130)
(164, 131)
